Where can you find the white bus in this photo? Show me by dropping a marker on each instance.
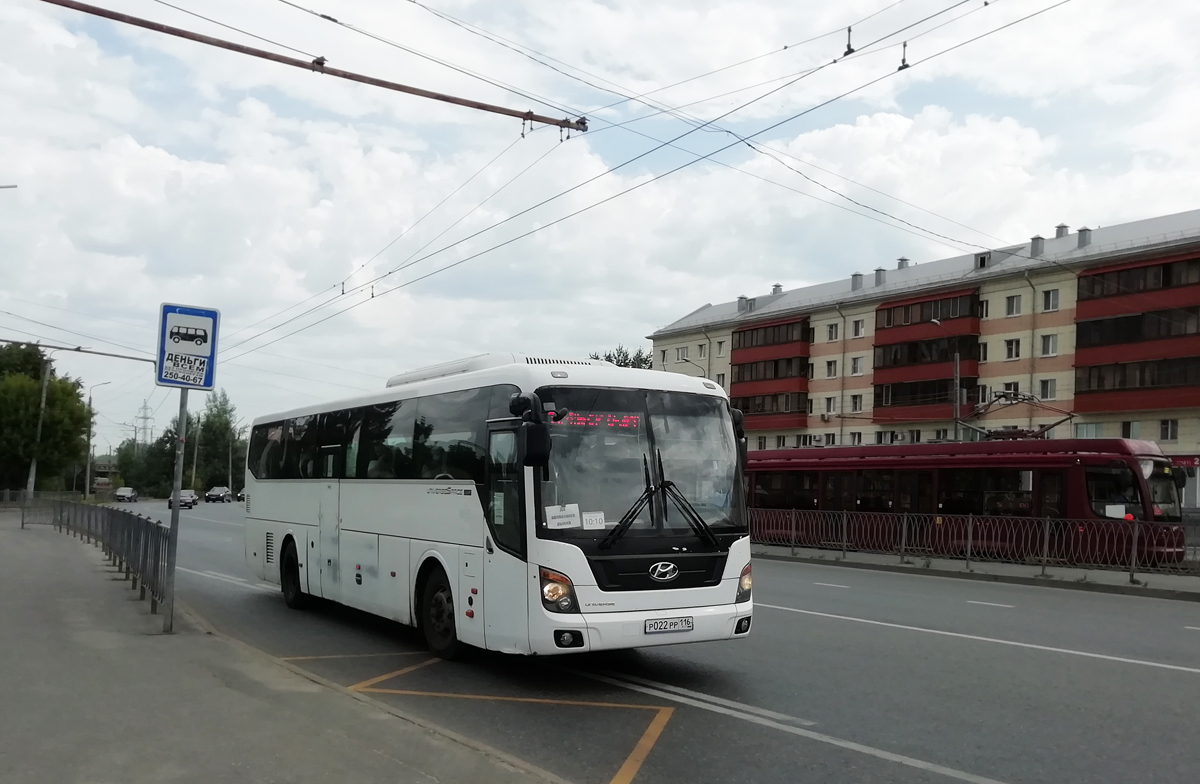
(512, 503)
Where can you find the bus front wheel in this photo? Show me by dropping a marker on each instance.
(437, 616)
(289, 577)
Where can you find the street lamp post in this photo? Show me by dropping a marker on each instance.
(37, 439)
(87, 485)
(703, 372)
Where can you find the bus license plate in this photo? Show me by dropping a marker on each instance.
(662, 625)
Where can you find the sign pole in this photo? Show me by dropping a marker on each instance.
(173, 535)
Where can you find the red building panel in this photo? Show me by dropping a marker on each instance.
(1142, 301)
(772, 386)
(775, 421)
(885, 415)
(968, 368)
(1137, 399)
(759, 353)
(1139, 263)
(968, 325)
(1166, 348)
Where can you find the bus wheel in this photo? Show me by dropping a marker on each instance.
(437, 616)
(289, 577)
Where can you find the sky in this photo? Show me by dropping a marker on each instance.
(348, 232)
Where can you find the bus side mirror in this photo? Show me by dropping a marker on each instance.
(739, 433)
(533, 441)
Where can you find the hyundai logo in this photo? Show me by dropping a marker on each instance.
(664, 572)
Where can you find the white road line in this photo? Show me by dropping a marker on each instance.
(226, 578)
(1013, 643)
(1193, 628)
(710, 698)
(832, 585)
(992, 604)
(811, 735)
(210, 520)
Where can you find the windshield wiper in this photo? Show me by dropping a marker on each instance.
(627, 519)
(671, 490)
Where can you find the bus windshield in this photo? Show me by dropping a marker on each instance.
(610, 438)
(1164, 494)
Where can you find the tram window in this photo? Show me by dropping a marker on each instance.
(1051, 496)
(991, 491)
(875, 491)
(1111, 490)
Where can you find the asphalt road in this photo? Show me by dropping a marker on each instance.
(847, 676)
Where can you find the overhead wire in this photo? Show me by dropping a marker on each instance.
(235, 29)
(643, 183)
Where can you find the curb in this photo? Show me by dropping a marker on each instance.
(1041, 582)
(492, 753)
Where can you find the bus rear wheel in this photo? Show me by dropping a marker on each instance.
(437, 616)
(289, 578)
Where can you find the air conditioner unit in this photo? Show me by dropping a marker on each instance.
(826, 417)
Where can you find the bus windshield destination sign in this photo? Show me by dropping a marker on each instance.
(187, 346)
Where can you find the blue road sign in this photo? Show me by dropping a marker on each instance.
(187, 346)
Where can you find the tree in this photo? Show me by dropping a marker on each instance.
(64, 422)
(621, 357)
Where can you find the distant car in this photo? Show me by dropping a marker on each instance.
(218, 495)
(241, 495)
(187, 499)
(125, 494)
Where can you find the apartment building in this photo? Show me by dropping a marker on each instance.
(1096, 332)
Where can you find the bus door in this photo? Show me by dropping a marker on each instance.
(914, 497)
(325, 552)
(505, 572)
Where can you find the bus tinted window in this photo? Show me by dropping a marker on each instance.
(385, 442)
(449, 439)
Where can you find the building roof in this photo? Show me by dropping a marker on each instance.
(1162, 232)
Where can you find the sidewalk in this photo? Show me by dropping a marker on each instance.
(91, 691)
(1161, 586)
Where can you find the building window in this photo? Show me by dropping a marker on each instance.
(1012, 348)
(831, 369)
(810, 405)
(941, 309)
(770, 368)
(983, 308)
(797, 441)
(914, 436)
(983, 352)
(1152, 325)
(941, 434)
(1012, 387)
(1012, 305)
(811, 370)
(926, 351)
(981, 393)
(830, 405)
(859, 328)
(1168, 430)
(884, 437)
(1089, 430)
(856, 366)
(782, 403)
(1131, 430)
(856, 402)
(830, 439)
(831, 332)
(1148, 278)
(720, 348)
(762, 442)
(855, 438)
(681, 354)
(1049, 345)
(1048, 389)
(1049, 300)
(702, 351)
(780, 442)
(1154, 373)
(721, 379)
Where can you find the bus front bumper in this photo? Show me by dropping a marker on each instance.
(549, 632)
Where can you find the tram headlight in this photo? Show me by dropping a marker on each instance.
(745, 585)
(558, 594)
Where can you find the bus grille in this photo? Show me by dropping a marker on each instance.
(270, 547)
(544, 361)
(632, 572)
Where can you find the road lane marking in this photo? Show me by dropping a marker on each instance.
(1014, 643)
(992, 604)
(666, 687)
(369, 682)
(226, 578)
(911, 762)
(633, 762)
(210, 520)
(1193, 628)
(221, 574)
(351, 655)
(832, 585)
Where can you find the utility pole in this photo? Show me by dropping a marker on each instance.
(37, 439)
(91, 455)
(196, 451)
(233, 429)
(145, 418)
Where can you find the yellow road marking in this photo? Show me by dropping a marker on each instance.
(365, 685)
(494, 698)
(350, 655)
(633, 763)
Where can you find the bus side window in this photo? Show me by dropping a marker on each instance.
(503, 501)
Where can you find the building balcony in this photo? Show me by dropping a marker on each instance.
(772, 386)
(1137, 302)
(929, 371)
(928, 412)
(1159, 348)
(795, 419)
(741, 356)
(1143, 399)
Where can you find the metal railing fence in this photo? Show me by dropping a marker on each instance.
(1133, 546)
(135, 544)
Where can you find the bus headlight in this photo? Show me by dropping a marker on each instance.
(745, 584)
(558, 595)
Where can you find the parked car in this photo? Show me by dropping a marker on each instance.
(125, 494)
(187, 499)
(218, 495)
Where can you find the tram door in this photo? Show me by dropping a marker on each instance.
(914, 497)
